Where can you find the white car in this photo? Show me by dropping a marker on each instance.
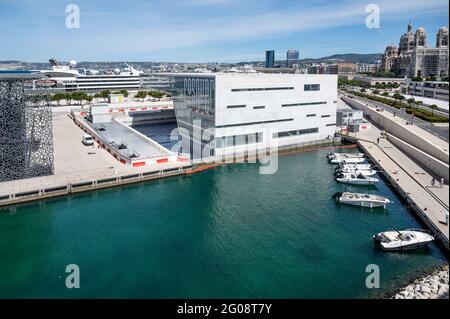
(87, 140)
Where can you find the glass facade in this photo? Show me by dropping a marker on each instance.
(270, 59)
(312, 87)
(295, 132)
(194, 102)
(292, 57)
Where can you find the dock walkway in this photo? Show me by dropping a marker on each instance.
(411, 181)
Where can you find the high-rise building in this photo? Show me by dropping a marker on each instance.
(292, 57)
(270, 59)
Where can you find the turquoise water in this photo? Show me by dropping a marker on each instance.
(227, 232)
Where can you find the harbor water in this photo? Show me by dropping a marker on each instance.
(228, 232)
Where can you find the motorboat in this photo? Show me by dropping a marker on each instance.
(356, 167)
(347, 160)
(364, 200)
(395, 240)
(356, 172)
(356, 179)
(346, 155)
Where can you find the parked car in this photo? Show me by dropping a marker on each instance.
(87, 140)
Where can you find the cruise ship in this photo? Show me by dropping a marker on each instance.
(69, 78)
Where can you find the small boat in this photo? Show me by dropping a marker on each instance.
(356, 172)
(356, 167)
(364, 200)
(396, 240)
(346, 155)
(349, 178)
(347, 160)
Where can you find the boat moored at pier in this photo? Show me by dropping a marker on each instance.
(359, 199)
(395, 240)
(356, 179)
(356, 172)
(345, 155)
(347, 160)
(356, 167)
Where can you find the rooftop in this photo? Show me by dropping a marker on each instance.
(19, 74)
(127, 141)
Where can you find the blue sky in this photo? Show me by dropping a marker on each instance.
(206, 30)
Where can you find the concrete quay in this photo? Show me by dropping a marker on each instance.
(425, 148)
(81, 168)
(412, 182)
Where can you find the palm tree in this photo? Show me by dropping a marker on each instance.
(410, 101)
(58, 97)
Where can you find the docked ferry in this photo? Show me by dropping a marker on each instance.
(69, 78)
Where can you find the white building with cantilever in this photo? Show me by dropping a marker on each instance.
(234, 113)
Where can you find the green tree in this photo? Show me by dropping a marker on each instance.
(89, 99)
(433, 107)
(57, 97)
(105, 94)
(141, 95)
(68, 98)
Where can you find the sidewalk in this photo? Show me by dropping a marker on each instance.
(411, 178)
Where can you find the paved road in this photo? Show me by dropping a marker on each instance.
(439, 131)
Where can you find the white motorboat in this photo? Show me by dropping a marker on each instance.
(364, 200)
(395, 240)
(346, 155)
(356, 172)
(356, 167)
(349, 178)
(347, 160)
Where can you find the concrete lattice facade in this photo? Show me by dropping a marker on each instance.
(26, 140)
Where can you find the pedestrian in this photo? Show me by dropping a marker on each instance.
(442, 182)
(378, 140)
(433, 181)
(395, 114)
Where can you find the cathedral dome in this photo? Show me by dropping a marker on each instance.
(420, 30)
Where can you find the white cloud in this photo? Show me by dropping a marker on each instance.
(266, 25)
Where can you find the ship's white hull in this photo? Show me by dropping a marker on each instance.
(357, 181)
(355, 167)
(402, 240)
(405, 247)
(365, 173)
(351, 160)
(362, 203)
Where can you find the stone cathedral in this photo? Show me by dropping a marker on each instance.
(414, 57)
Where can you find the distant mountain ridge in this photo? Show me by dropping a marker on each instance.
(347, 57)
(352, 57)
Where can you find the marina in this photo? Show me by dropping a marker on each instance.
(207, 236)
